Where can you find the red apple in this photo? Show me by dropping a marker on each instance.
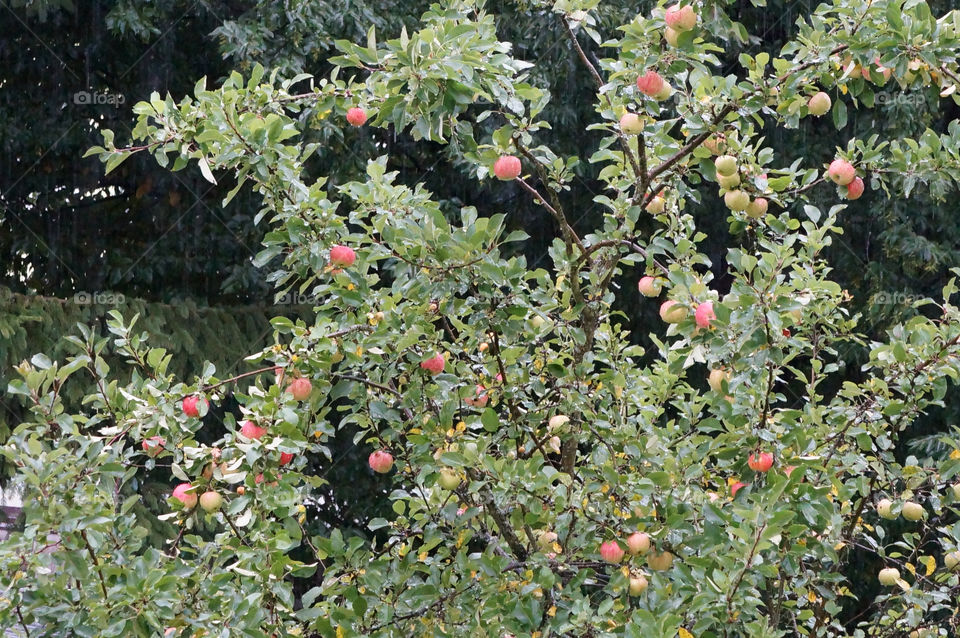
(507, 167)
(736, 488)
(481, 398)
(380, 461)
(649, 286)
(650, 83)
(757, 208)
(342, 256)
(191, 405)
(433, 365)
(153, 445)
(704, 314)
(356, 116)
(185, 495)
(681, 18)
(285, 457)
(300, 388)
(252, 431)
(841, 172)
(761, 462)
(611, 552)
(638, 543)
(855, 189)
(656, 205)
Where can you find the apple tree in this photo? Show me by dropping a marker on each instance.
(548, 477)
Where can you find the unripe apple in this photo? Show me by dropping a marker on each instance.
(448, 480)
(717, 377)
(761, 462)
(951, 560)
(736, 200)
(956, 491)
(851, 68)
(211, 501)
(356, 116)
(611, 552)
(507, 167)
(638, 584)
(433, 365)
(819, 104)
(680, 18)
(153, 445)
(660, 562)
(672, 36)
(726, 165)
(736, 488)
(656, 205)
(638, 543)
(757, 208)
(300, 388)
(664, 93)
(889, 576)
(672, 311)
(650, 83)
(185, 495)
(546, 539)
(251, 430)
(649, 286)
(537, 321)
(342, 256)
(884, 510)
(558, 423)
(912, 511)
(380, 461)
(631, 124)
(716, 144)
(554, 444)
(704, 314)
(285, 458)
(191, 405)
(841, 172)
(728, 182)
(855, 189)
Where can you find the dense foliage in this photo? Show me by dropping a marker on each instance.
(528, 441)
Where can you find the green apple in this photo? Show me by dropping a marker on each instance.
(889, 576)
(449, 479)
(884, 506)
(912, 511)
(638, 584)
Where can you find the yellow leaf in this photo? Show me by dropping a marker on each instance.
(812, 597)
(552, 611)
(340, 633)
(930, 562)
(683, 633)
(843, 89)
(955, 455)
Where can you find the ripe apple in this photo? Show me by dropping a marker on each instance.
(433, 365)
(736, 488)
(717, 377)
(660, 562)
(704, 314)
(191, 405)
(259, 479)
(851, 68)
(912, 511)
(153, 445)
(638, 543)
(480, 399)
(380, 461)
(546, 539)
(507, 167)
(819, 104)
(356, 116)
(285, 458)
(760, 462)
(855, 189)
(757, 208)
(650, 83)
(951, 560)
(726, 165)
(251, 430)
(211, 501)
(681, 18)
(656, 205)
(611, 552)
(889, 576)
(736, 200)
(631, 124)
(881, 71)
(672, 311)
(841, 172)
(728, 182)
(449, 479)
(649, 286)
(300, 388)
(672, 36)
(884, 510)
(638, 584)
(185, 495)
(342, 256)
